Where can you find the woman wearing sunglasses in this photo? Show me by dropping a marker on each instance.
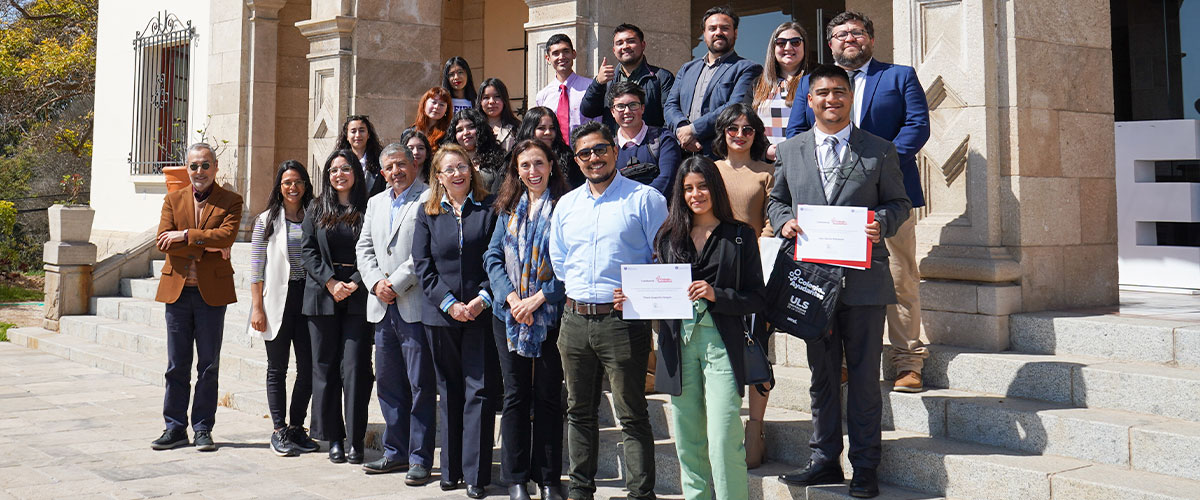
(749, 181)
(775, 89)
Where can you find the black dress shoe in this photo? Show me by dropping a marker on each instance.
(171, 438)
(417, 475)
(518, 492)
(355, 456)
(337, 452)
(384, 465)
(448, 485)
(478, 492)
(552, 492)
(814, 474)
(865, 484)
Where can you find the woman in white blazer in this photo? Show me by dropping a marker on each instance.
(276, 297)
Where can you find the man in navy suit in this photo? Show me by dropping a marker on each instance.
(704, 86)
(890, 103)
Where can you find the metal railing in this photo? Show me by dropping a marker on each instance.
(162, 85)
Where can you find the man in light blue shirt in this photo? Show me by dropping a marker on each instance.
(607, 222)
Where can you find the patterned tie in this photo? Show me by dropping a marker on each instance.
(854, 113)
(564, 113)
(829, 164)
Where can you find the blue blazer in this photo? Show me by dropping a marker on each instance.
(445, 266)
(894, 108)
(732, 82)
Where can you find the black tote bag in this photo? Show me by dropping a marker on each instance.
(801, 296)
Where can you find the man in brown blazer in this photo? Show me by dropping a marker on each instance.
(197, 227)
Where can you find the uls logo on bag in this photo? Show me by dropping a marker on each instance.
(800, 306)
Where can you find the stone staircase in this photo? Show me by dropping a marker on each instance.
(1084, 406)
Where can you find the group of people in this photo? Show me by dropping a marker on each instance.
(480, 255)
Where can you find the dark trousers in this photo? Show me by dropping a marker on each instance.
(407, 389)
(858, 334)
(466, 416)
(341, 345)
(530, 449)
(292, 335)
(192, 322)
(591, 346)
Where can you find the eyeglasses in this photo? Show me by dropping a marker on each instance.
(633, 106)
(745, 129)
(585, 154)
(461, 169)
(288, 184)
(845, 35)
(197, 166)
(794, 42)
(344, 169)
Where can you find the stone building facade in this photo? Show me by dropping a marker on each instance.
(1019, 171)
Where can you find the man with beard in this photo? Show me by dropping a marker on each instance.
(629, 45)
(704, 86)
(890, 103)
(597, 227)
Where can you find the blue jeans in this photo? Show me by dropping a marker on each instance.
(192, 322)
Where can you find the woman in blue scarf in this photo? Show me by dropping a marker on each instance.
(525, 318)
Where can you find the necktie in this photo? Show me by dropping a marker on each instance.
(829, 164)
(854, 109)
(564, 113)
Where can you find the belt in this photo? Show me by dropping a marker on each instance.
(339, 264)
(586, 309)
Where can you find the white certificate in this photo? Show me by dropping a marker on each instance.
(831, 233)
(656, 291)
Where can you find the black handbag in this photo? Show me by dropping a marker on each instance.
(644, 173)
(756, 367)
(801, 296)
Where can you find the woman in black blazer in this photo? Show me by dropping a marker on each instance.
(335, 302)
(451, 235)
(700, 360)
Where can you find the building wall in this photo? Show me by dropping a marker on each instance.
(123, 202)
(291, 93)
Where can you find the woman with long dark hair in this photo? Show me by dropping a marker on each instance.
(541, 124)
(276, 298)
(741, 143)
(418, 144)
(433, 116)
(470, 130)
(452, 232)
(358, 135)
(457, 80)
(701, 360)
(493, 103)
(525, 318)
(775, 89)
(335, 302)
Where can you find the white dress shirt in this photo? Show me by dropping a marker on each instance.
(860, 81)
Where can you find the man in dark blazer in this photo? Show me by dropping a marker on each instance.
(839, 164)
(704, 86)
(629, 46)
(890, 103)
(197, 227)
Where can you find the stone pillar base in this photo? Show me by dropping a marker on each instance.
(969, 314)
(68, 288)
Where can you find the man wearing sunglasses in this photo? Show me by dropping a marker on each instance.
(890, 103)
(597, 227)
(197, 225)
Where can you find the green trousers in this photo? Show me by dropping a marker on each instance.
(707, 418)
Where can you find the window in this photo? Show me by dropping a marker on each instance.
(1156, 59)
(162, 65)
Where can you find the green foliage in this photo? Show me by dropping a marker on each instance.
(18, 252)
(12, 294)
(4, 330)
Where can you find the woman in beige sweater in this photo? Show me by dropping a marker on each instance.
(741, 144)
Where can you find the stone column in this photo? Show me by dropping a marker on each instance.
(1018, 171)
(589, 23)
(227, 122)
(68, 258)
(330, 63)
(261, 82)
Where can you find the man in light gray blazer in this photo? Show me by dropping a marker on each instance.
(837, 164)
(407, 385)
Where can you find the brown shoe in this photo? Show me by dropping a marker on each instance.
(756, 447)
(908, 381)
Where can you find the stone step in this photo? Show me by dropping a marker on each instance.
(1080, 381)
(147, 289)
(1108, 336)
(149, 312)
(942, 466)
(1144, 442)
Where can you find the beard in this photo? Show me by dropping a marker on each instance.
(864, 55)
(728, 46)
(602, 180)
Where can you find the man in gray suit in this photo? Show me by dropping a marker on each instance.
(404, 364)
(838, 164)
